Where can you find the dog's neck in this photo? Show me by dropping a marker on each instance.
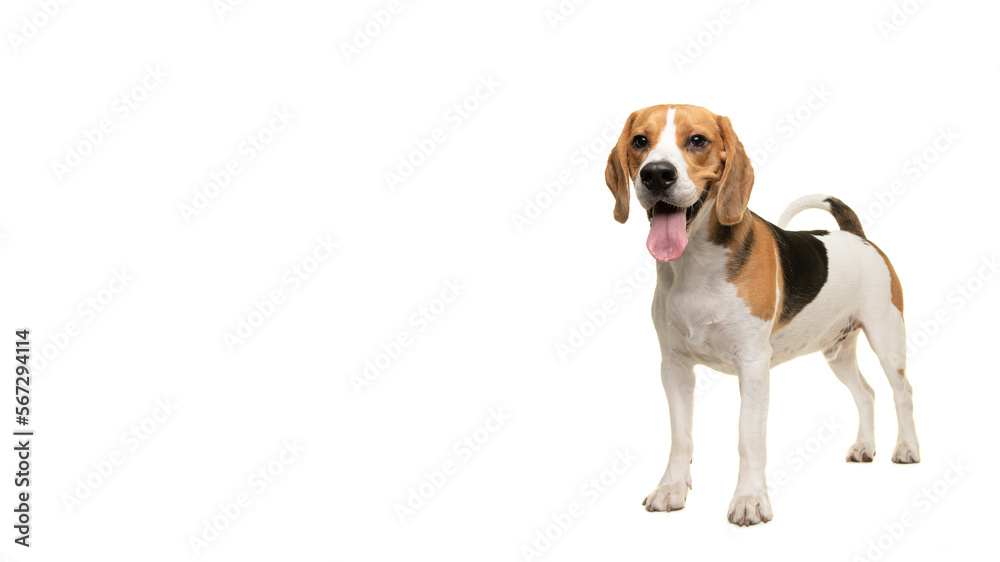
(725, 234)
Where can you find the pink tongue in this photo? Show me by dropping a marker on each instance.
(667, 235)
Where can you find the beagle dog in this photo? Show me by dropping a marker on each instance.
(740, 295)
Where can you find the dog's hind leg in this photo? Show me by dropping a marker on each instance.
(887, 335)
(843, 361)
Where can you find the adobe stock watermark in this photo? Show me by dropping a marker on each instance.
(454, 118)
(711, 29)
(800, 455)
(580, 160)
(545, 537)
(899, 15)
(122, 107)
(87, 312)
(705, 379)
(258, 482)
(132, 439)
(789, 124)
(371, 29)
(418, 323)
(225, 7)
(560, 12)
(913, 169)
(290, 281)
(597, 317)
(921, 503)
(461, 452)
(246, 152)
(32, 24)
(957, 299)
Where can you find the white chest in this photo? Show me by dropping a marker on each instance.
(700, 317)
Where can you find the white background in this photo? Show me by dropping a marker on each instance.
(563, 87)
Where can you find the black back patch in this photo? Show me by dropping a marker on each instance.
(804, 267)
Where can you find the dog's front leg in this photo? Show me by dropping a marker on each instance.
(678, 382)
(750, 503)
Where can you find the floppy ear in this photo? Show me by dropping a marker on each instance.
(737, 177)
(616, 174)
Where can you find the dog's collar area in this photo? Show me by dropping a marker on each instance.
(691, 211)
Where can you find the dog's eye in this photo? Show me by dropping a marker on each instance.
(639, 141)
(698, 141)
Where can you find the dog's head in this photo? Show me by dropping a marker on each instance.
(678, 157)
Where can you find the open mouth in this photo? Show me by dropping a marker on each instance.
(668, 228)
(691, 212)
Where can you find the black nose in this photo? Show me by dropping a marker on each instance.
(658, 176)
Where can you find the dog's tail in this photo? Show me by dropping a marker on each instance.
(846, 218)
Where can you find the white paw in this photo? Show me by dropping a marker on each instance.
(750, 510)
(666, 498)
(861, 452)
(905, 454)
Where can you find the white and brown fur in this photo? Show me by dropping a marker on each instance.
(746, 295)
